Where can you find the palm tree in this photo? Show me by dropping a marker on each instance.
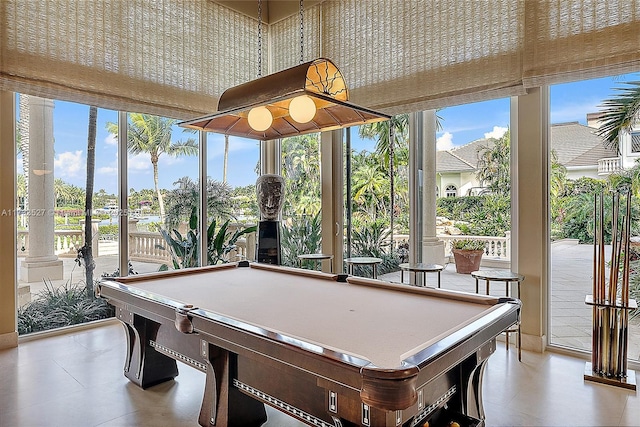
(390, 134)
(152, 134)
(558, 176)
(183, 199)
(23, 137)
(87, 253)
(380, 132)
(494, 163)
(369, 187)
(225, 159)
(620, 114)
(301, 171)
(21, 190)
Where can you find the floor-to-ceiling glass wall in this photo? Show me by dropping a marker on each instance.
(63, 150)
(377, 193)
(163, 196)
(301, 210)
(473, 185)
(583, 164)
(232, 209)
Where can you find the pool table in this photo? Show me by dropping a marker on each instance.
(327, 349)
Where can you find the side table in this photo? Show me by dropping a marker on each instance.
(315, 257)
(507, 277)
(372, 261)
(420, 268)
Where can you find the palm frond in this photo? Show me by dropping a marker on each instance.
(619, 114)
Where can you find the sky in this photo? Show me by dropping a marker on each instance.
(461, 124)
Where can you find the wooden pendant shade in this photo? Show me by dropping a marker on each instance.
(319, 79)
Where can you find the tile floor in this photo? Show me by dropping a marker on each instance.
(75, 379)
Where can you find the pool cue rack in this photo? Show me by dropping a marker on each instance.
(611, 304)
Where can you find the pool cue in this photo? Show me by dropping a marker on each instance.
(624, 336)
(603, 315)
(616, 248)
(595, 341)
(624, 297)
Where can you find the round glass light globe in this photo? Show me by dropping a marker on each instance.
(260, 118)
(302, 109)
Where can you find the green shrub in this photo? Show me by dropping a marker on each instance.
(469, 244)
(184, 250)
(488, 215)
(300, 236)
(58, 306)
(111, 229)
(372, 240)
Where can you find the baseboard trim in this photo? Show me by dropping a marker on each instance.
(534, 343)
(9, 340)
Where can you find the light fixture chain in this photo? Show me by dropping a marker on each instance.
(301, 33)
(259, 38)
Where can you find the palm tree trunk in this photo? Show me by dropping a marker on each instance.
(226, 158)
(89, 265)
(391, 181)
(24, 142)
(155, 183)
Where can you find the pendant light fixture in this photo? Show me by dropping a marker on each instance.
(310, 97)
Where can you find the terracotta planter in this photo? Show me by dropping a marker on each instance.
(467, 261)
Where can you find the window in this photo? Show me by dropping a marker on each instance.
(635, 142)
(53, 163)
(301, 212)
(451, 191)
(232, 165)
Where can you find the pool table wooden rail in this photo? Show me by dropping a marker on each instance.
(241, 360)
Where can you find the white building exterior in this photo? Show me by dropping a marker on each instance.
(578, 148)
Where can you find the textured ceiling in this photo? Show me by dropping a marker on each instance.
(272, 10)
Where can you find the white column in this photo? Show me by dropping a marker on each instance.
(42, 262)
(8, 327)
(432, 247)
(530, 211)
(331, 177)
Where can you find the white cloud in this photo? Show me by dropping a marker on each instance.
(111, 140)
(215, 146)
(168, 160)
(444, 142)
(574, 111)
(108, 170)
(497, 132)
(139, 163)
(70, 164)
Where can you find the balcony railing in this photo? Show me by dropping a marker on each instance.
(66, 242)
(497, 249)
(609, 165)
(144, 246)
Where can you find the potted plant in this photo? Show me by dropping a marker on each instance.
(467, 254)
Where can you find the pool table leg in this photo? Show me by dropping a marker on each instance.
(222, 404)
(472, 381)
(144, 366)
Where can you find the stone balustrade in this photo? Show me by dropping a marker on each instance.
(609, 165)
(66, 243)
(144, 246)
(497, 249)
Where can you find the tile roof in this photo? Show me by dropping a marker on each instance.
(578, 145)
(574, 143)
